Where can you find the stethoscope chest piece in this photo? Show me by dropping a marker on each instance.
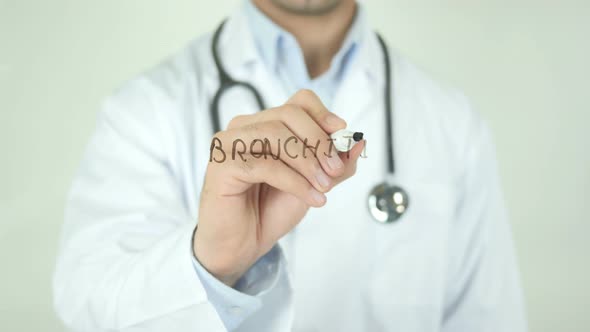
(387, 203)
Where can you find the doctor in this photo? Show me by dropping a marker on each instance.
(287, 244)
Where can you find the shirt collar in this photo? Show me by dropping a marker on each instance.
(270, 39)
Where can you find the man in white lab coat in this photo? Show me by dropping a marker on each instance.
(286, 244)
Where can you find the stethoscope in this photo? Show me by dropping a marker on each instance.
(387, 202)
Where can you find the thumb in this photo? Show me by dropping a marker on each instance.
(350, 159)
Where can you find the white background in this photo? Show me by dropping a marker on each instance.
(523, 63)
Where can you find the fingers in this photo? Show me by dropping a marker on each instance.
(276, 174)
(272, 139)
(302, 121)
(299, 122)
(306, 116)
(350, 160)
(312, 104)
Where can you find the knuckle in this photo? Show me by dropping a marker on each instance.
(306, 93)
(272, 111)
(262, 131)
(289, 110)
(236, 121)
(273, 127)
(252, 127)
(299, 111)
(276, 124)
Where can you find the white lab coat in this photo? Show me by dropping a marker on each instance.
(448, 265)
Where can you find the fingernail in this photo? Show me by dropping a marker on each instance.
(333, 120)
(322, 179)
(317, 196)
(334, 161)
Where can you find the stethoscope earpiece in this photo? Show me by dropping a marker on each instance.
(387, 203)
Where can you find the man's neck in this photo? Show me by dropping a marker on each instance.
(319, 36)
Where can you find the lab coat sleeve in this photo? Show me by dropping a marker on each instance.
(124, 261)
(235, 304)
(483, 287)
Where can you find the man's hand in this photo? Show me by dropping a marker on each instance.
(247, 206)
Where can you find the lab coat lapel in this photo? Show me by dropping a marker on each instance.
(353, 96)
(243, 63)
(363, 84)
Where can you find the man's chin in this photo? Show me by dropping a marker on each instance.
(308, 7)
